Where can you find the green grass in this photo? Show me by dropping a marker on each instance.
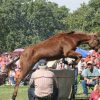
(7, 91)
(80, 95)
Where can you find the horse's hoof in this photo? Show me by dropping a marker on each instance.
(13, 97)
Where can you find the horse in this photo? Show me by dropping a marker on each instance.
(58, 46)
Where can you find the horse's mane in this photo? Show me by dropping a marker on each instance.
(72, 32)
(67, 33)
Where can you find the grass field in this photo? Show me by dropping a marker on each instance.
(80, 95)
(6, 93)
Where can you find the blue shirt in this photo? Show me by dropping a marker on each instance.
(87, 73)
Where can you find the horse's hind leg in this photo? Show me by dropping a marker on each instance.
(22, 74)
(27, 60)
(18, 80)
(26, 66)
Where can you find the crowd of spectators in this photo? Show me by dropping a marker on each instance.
(13, 73)
(81, 74)
(87, 72)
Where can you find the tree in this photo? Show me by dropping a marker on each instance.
(26, 21)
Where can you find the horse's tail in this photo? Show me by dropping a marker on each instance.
(12, 62)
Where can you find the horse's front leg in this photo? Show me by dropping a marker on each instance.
(73, 54)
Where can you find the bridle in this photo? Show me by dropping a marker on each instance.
(93, 42)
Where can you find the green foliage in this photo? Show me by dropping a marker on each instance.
(26, 21)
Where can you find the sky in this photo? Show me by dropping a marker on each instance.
(71, 4)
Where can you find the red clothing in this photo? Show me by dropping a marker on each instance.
(98, 64)
(94, 95)
(88, 58)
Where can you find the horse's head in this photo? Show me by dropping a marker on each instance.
(93, 41)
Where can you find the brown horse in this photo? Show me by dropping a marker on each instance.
(58, 46)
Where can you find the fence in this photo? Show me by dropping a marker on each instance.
(65, 79)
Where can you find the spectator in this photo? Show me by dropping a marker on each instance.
(81, 65)
(11, 77)
(52, 64)
(31, 82)
(44, 82)
(88, 58)
(95, 95)
(0, 62)
(93, 59)
(60, 65)
(90, 75)
(75, 79)
(69, 62)
(98, 62)
(31, 95)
